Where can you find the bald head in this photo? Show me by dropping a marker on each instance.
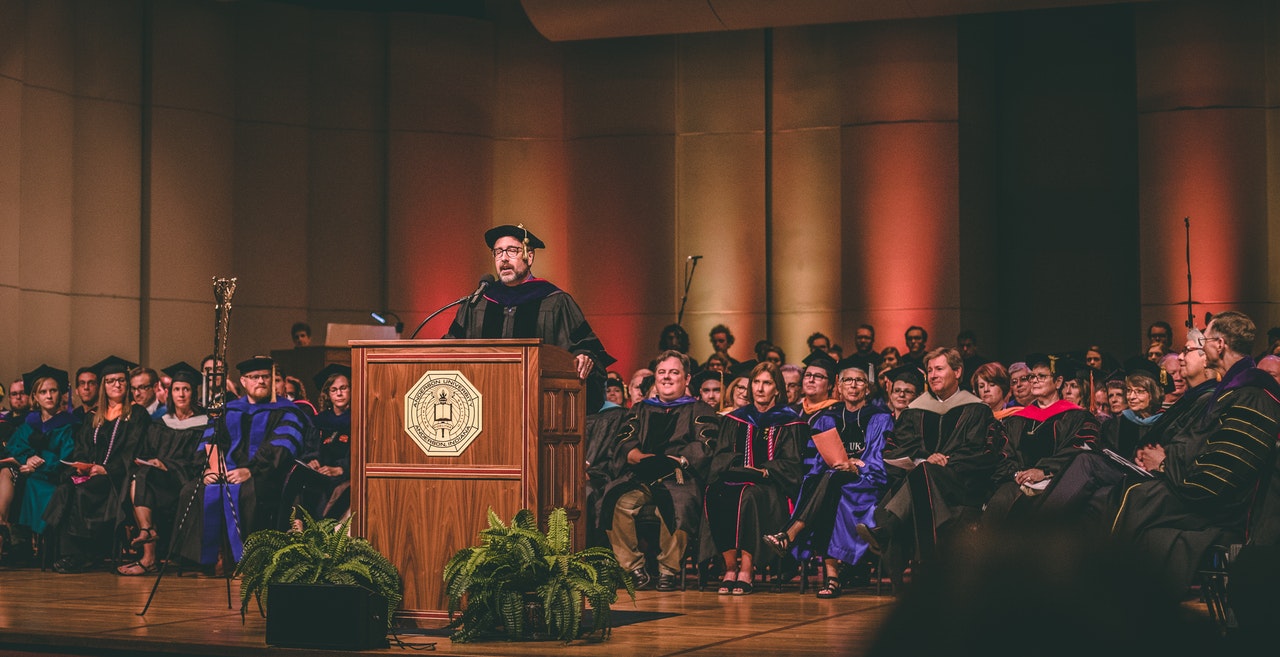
(1271, 365)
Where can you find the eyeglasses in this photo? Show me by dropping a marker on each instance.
(1187, 350)
(1219, 338)
(903, 391)
(510, 252)
(1038, 377)
(816, 376)
(257, 377)
(146, 386)
(857, 381)
(110, 381)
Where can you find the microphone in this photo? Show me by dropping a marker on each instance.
(484, 283)
(694, 258)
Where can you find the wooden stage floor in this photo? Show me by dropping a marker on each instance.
(95, 614)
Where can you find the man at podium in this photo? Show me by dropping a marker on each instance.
(522, 305)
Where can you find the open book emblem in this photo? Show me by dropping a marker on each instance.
(442, 413)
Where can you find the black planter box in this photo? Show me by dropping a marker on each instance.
(326, 616)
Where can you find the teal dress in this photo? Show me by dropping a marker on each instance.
(53, 441)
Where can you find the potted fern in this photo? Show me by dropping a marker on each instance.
(339, 568)
(520, 580)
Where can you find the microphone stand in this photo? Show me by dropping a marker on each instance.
(688, 280)
(442, 309)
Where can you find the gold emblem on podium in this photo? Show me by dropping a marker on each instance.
(442, 413)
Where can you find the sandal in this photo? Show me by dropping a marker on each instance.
(136, 568)
(830, 589)
(727, 586)
(779, 543)
(742, 587)
(145, 535)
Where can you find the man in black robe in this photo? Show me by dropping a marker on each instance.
(260, 437)
(524, 306)
(951, 444)
(1190, 506)
(19, 406)
(661, 459)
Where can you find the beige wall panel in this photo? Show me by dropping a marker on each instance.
(439, 206)
(345, 249)
(108, 50)
(531, 186)
(256, 330)
(807, 243)
(183, 330)
(530, 84)
(13, 39)
(107, 174)
(1210, 165)
(191, 209)
(900, 186)
(101, 326)
(442, 74)
(900, 70)
(10, 174)
(51, 312)
(620, 227)
(192, 56)
(806, 73)
(12, 329)
(721, 83)
(1200, 54)
(720, 216)
(47, 183)
(270, 210)
(271, 63)
(348, 70)
(50, 40)
(620, 87)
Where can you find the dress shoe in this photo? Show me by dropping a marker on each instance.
(642, 578)
(668, 582)
(875, 542)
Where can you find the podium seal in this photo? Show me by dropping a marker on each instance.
(442, 413)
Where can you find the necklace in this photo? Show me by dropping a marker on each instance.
(110, 445)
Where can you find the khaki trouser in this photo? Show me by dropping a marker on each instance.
(626, 544)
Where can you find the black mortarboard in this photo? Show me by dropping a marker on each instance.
(112, 365)
(255, 364)
(181, 371)
(1070, 368)
(702, 377)
(1034, 360)
(1140, 365)
(820, 358)
(44, 371)
(855, 361)
(328, 371)
(611, 382)
(908, 374)
(519, 232)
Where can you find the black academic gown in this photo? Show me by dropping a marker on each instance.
(323, 496)
(535, 309)
(962, 428)
(1045, 438)
(83, 510)
(741, 506)
(173, 442)
(679, 429)
(600, 439)
(1193, 504)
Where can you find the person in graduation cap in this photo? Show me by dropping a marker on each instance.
(164, 463)
(327, 453)
(85, 508)
(837, 495)
(245, 454)
(38, 446)
(708, 387)
(661, 459)
(525, 306)
(950, 444)
(816, 382)
(1125, 433)
(755, 470)
(599, 441)
(1043, 438)
(904, 385)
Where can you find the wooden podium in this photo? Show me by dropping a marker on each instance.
(419, 508)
